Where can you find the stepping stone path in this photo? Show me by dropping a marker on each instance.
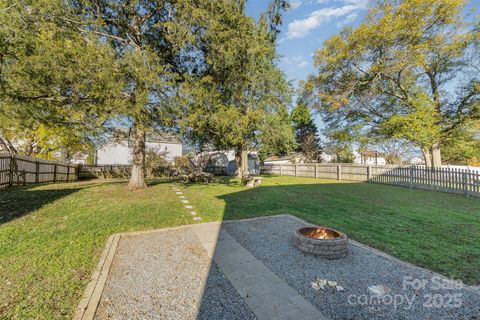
(183, 199)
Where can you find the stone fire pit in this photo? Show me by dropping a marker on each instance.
(325, 242)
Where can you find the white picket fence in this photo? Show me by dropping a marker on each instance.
(451, 180)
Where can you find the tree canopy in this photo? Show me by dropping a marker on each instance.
(407, 72)
(306, 132)
(71, 69)
(52, 78)
(234, 103)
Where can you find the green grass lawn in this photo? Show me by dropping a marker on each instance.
(51, 236)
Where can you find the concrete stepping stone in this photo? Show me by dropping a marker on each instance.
(178, 192)
(193, 213)
(188, 207)
(184, 201)
(197, 218)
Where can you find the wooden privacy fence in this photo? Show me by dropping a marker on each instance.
(105, 171)
(451, 180)
(21, 170)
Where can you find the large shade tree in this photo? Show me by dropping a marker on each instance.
(157, 45)
(229, 107)
(57, 85)
(407, 72)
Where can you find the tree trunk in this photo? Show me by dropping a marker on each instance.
(29, 148)
(4, 144)
(137, 179)
(8, 145)
(238, 164)
(436, 156)
(241, 162)
(427, 157)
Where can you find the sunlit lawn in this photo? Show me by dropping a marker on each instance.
(51, 236)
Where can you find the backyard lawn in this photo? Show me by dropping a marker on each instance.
(52, 235)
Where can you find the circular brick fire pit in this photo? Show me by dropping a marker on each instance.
(325, 242)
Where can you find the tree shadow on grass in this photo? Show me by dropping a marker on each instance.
(20, 201)
(382, 216)
(15, 203)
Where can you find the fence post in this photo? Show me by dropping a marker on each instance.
(465, 183)
(369, 173)
(316, 167)
(339, 172)
(68, 172)
(37, 171)
(295, 169)
(55, 172)
(10, 174)
(281, 169)
(411, 177)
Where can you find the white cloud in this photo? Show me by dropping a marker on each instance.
(301, 28)
(302, 64)
(294, 4)
(356, 2)
(351, 18)
(348, 20)
(295, 61)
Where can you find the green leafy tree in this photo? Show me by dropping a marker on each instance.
(230, 104)
(463, 147)
(47, 142)
(57, 85)
(276, 136)
(158, 44)
(393, 75)
(306, 132)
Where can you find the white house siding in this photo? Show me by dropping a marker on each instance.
(369, 161)
(120, 153)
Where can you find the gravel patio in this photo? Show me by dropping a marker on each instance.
(249, 269)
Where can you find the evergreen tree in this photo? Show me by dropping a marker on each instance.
(57, 84)
(306, 132)
(242, 90)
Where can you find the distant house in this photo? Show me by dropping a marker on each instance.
(120, 150)
(369, 158)
(417, 161)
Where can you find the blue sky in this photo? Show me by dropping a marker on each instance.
(308, 23)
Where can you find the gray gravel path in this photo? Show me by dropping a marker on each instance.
(167, 275)
(270, 241)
